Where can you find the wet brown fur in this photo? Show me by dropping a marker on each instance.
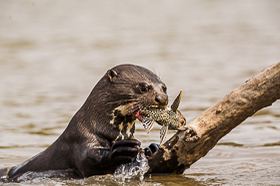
(86, 143)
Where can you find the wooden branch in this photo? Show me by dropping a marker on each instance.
(177, 154)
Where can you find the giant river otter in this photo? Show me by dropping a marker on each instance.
(99, 137)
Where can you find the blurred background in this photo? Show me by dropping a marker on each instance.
(52, 53)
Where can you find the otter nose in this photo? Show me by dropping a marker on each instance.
(161, 99)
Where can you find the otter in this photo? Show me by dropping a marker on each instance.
(99, 137)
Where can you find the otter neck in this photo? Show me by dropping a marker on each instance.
(107, 118)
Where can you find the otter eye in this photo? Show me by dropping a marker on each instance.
(144, 87)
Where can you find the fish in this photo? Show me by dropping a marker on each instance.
(168, 117)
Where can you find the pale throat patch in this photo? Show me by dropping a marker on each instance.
(123, 110)
(124, 128)
(125, 132)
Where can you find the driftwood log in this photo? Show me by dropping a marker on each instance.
(178, 153)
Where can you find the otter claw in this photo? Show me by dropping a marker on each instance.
(149, 151)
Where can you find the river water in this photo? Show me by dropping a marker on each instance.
(52, 53)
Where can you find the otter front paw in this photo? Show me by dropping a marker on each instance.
(124, 151)
(149, 151)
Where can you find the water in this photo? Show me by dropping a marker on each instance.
(135, 169)
(53, 53)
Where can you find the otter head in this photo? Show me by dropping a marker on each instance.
(137, 84)
(117, 97)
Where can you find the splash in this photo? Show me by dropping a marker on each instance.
(133, 170)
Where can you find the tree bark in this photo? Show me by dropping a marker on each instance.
(178, 153)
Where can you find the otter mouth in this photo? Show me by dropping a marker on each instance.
(139, 111)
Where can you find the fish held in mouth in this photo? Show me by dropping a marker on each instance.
(168, 117)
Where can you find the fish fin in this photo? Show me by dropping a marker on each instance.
(176, 102)
(163, 133)
(148, 124)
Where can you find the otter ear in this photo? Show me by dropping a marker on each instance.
(112, 74)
